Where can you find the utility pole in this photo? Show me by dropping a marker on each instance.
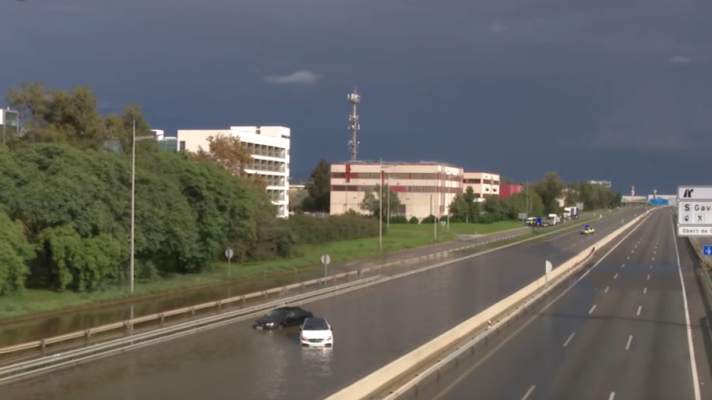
(133, 201)
(388, 206)
(435, 220)
(354, 124)
(380, 211)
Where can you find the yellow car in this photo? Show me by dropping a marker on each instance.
(588, 230)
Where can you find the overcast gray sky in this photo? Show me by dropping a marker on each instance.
(607, 89)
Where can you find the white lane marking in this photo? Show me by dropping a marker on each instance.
(651, 267)
(630, 339)
(529, 392)
(639, 308)
(623, 266)
(616, 276)
(653, 258)
(606, 291)
(566, 343)
(612, 396)
(648, 277)
(466, 374)
(627, 258)
(690, 345)
(592, 308)
(645, 290)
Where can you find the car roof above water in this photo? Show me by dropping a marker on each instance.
(316, 322)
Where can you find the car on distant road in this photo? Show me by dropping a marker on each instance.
(588, 230)
(316, 332)
(282, 317)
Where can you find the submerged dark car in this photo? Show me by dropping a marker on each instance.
(282, 317)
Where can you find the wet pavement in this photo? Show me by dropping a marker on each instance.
(372, 327)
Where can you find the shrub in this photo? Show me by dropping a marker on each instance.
(310, 230)
(429, 219)
(399, 220)
(414, 220)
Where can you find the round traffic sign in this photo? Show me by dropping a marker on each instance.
(229, 253)
(325, 259)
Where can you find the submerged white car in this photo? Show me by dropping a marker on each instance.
(316, 332)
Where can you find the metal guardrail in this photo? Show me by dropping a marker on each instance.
(25, 369)
(129, 325)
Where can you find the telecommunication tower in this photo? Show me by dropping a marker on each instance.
(632, 190)
(354, 125)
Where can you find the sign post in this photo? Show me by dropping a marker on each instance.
(325, 259)
(547, 269)
(229, 253)
(694, 204)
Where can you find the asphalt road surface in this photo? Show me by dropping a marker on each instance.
(371, 328)
(619, 333)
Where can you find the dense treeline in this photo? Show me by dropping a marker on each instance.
(65, 202)
(541, 198)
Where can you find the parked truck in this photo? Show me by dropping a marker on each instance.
(573, 212)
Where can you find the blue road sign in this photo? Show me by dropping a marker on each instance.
(659, 202)
(707, 250)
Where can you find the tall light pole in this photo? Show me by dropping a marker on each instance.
(435, 220)
(380, 210)
(133, 199)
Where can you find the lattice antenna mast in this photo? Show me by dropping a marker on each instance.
(354, 125)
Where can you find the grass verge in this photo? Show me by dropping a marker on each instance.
(460, 228)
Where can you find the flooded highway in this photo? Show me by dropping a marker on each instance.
(372, 327)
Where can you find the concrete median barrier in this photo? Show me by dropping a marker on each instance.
(377, 381)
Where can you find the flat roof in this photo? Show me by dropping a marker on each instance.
(362, 162)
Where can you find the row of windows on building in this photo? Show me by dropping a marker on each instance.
(396, 175)
(252, 148)
(481, 181)
(266, 165)
(265, 150)
(397, 189)
(271, 180)
(276, 195)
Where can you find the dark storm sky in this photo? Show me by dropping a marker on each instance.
(607, 89)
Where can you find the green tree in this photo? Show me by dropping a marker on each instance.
(494, 207)
(15, 251)
(550, 189)
(372, 203)
(53, 115)
(517, 203)
(319, 188)
(459, 209)
(473, 206)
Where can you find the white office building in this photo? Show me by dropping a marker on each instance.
(269, 146)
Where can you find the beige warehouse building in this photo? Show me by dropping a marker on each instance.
(423, 188)
(483, 184)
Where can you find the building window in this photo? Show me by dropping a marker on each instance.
(487, 181)
(496, 182)
(182, 145)
(338, 175)
(473, 181)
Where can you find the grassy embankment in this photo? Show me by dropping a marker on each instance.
(400, 237)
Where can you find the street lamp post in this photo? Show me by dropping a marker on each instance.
(380, 210)
(133, 199)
